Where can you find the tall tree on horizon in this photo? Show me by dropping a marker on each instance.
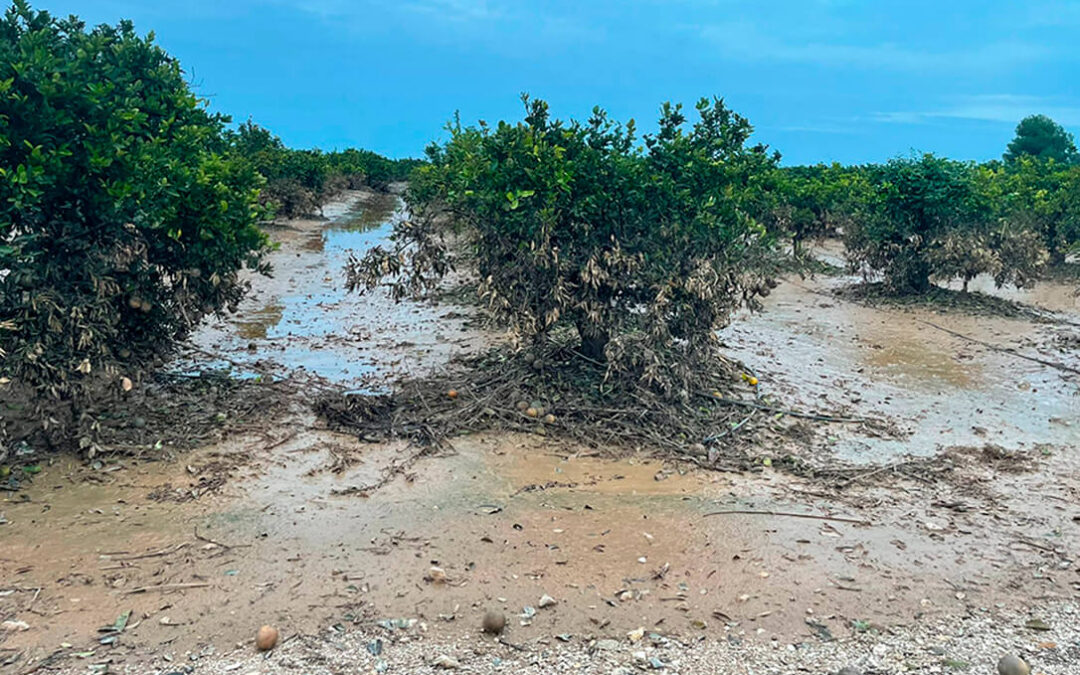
(1041, 137)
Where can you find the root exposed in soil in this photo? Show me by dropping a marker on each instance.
(565, 395)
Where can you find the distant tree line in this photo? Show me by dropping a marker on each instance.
(920, 219)
(299, 182)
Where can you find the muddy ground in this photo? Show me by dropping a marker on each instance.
(971, 513)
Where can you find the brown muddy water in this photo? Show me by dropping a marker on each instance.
(291, 539)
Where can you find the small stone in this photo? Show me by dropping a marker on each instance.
(547, 601)
(1013, 665)
(436, 575)
(493, 622)
(636, 635)
(608, 645)
(848, 670)
(446, 662)
(14, 626)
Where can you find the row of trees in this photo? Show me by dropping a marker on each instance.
(127, 209)
(298, 182)
(923, 219)
(127, 212)
(645, 249)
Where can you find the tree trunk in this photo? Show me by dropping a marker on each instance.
(917, 278)
(593, 341)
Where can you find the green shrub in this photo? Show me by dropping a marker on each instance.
(820, 200)
(122, 221)
(643, 252)
(1042, 196)
(299, 182)
(932, 218)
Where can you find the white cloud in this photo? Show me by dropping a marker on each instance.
(1053, 14)
(1004, 108)
(745, 41)
(456, 10)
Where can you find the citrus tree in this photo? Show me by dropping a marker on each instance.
(820, 200)
(122, 218)
(642, 251)
(1041, 195)
(930, 218)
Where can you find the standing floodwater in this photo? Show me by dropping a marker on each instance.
(303, 320)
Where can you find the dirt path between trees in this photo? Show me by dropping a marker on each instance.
(901, 570)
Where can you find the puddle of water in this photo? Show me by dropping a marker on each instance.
(254, 325)
(303, 319)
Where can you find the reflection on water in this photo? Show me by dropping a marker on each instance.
(302, 318)
(255, 324)
(358, 228)
(374, 213)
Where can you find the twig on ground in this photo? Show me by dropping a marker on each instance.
(154, 554)
(789, 514)
(1003, 350)
(217, 543)
(167, 587)
(792, 413)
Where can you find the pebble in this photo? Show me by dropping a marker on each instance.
(608, 645)
(436, 575)
(546, 601)
(446, 662)
(14, 626)
(1013, 665)
(848, 670)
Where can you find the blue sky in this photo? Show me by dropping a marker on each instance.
(821, 80)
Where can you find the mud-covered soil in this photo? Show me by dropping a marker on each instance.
(968, 521)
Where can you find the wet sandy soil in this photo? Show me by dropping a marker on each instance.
(831, 354)
(291, 539)
(619, 544)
